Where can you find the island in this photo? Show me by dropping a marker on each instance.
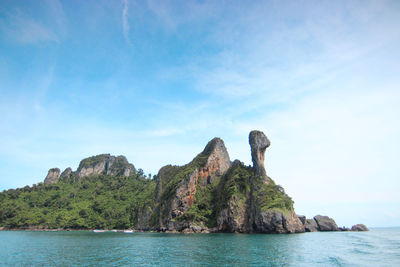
(209, 194)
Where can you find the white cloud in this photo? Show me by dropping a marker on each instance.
(125, 22)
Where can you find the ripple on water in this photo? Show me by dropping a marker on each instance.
(375, 248)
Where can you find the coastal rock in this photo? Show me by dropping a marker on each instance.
(359, 227)
(176, 186)
(302, 218)
(105, 164)
(144, 218)
(325, 223)
(52, 176)
(277, 222)
(234, 218)
(259, 143)
(344, 229)
(311, 225)
(248, 198)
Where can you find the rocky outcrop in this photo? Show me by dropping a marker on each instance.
(105, 164)
(279, 223)
(249, 193)
(235, 217)
(359, 227)
(218, 161)
(311, 225)
(302, 218)
(325, 223)
(259, 143)
(100, 164)
(52, 176)
(66, 173)
(177, 186)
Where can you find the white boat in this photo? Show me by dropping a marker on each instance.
(98, 231)
(128, 231)
(114, 231)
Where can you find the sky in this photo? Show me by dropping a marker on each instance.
(156, 80)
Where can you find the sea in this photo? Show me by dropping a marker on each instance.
(378, 247)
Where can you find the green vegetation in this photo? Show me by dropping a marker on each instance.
(119, 202)
(272, 197)
(112, 202)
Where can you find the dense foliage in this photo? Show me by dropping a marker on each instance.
(99, 201)
(119, 202)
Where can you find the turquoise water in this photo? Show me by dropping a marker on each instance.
(379, 247)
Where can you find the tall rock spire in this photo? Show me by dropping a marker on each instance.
(258, 143)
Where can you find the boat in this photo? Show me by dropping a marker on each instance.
(98, 231)
(128, 231)
(115, 231)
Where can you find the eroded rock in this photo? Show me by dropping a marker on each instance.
(52, 176)
(311, 225)
(325, 223)
(277, 222)
(105, 164)
(66, 173)
(259, 143)
(359, 227)
(302, 218)
(212, 162)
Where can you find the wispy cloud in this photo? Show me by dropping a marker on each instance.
(125, 22)
(22, 29)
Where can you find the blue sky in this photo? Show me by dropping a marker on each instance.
(156, 80)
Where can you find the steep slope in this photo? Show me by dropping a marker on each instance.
(178, 188)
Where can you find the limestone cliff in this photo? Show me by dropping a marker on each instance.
(52, 176)
(105, 164)
(177, 185)
(211, 194)
(259, 143)
(100, 164)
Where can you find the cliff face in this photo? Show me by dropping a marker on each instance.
(96, 165)
(52, 176)
(177, 186)
(211, 194)
(107, 164)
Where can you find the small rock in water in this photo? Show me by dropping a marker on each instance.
(359, 227)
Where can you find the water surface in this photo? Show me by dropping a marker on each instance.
(379, 247)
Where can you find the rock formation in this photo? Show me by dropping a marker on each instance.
(209, 194)
(277, 222)
(325, 223)
(177, 186)
(66, 173)
(311, 225)
(105, 164)
(52, 176)
(259, 143)
(302, 219)
(359, 227)
(100, 164)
